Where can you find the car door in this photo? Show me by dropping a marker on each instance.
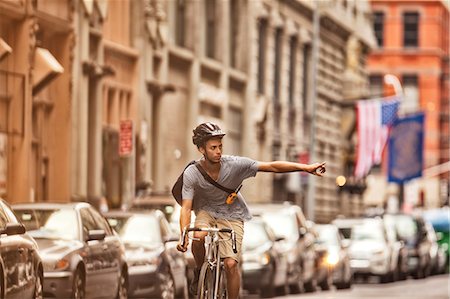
(111, 254)
(95, 278)
(15, 260)
(176, 260)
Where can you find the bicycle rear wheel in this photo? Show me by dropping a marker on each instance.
(206, 282)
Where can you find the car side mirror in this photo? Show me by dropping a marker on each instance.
(14, 229)
(302, 232)
(96, 235)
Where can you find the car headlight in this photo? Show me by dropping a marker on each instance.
(264, 259)
(332, 258)
(59, 265)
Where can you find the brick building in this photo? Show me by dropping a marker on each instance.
(413, 44)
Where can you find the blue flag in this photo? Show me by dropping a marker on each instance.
(406, 148)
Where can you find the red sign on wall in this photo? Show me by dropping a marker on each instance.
(126, 138)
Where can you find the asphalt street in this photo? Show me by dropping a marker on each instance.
(435, 287)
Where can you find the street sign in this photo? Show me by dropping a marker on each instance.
(126, 138)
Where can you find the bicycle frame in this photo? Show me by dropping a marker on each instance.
(212, 254)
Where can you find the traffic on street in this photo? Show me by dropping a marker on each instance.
(73, 251)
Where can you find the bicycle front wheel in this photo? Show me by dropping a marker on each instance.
(206, 282)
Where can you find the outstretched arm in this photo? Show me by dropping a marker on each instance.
(285, 166)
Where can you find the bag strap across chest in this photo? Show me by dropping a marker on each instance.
(211, 180)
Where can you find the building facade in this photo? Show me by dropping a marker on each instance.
(420, 60)
(111, 90)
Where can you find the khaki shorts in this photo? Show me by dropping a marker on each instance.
(204, 219)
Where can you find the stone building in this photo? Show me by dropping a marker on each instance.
(129, 80)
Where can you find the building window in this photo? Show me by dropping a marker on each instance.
(180, 23)
(378, 27)
(210, 28)
(262, 41)
(292, 71)
(277, 78)
(234, 31)
(376, 86)
(277, 75)
(292, 76)
(234, 131)
(307, 56)
(410, 101)
(411, 29)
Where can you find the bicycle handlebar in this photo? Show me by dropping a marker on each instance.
(210, 229)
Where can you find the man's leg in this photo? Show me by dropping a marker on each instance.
(233, 278)
(203, 219)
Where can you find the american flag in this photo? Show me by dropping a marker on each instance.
(374, 119)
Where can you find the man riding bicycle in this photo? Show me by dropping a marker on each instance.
(210, 203)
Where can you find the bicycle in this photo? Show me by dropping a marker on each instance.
(212, 280)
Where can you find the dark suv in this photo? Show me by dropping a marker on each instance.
(288, 221)
(412, 230)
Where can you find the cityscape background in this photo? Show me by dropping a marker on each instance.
(98, 98)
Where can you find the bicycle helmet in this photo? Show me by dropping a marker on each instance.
(206, 131)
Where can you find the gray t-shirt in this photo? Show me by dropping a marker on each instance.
(211, 199)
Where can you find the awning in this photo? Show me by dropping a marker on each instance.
(5, 49)
(46, 68)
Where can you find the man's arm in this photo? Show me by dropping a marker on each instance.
(285, 166)
(185, 220)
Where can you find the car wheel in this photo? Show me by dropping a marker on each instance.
(38, 287)
(167, 285)
(78, 288)
(311, 286)
(122, 291)
(325, 285)
(297, 287)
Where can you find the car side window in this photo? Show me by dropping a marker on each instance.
(100, 222)
(87, 221)
(9, 214)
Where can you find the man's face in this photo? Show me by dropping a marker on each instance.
(212, 150)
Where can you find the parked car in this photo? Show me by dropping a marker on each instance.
(400, 250)
(156, 268)
(345, 226)
(371, 251)
(440, 220)
(82, 256)
(337, 258)
(171, 210)
(412, 230)
(437, 253)
(21, 269)
(288, 222)
(323, 274)
(264, 264)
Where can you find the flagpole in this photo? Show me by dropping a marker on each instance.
(395, 82)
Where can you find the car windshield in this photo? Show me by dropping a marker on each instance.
(50, 224)
(282, 225)
(327, 236)
(367, 232)
(406, 227)
(137, 229)
(255, 235)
